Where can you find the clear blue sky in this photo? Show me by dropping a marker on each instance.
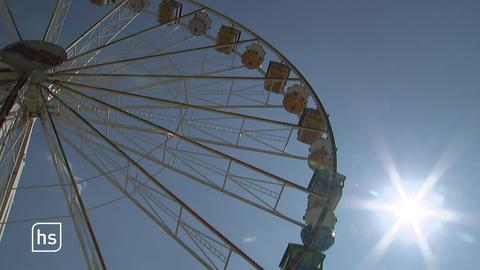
(402, 75)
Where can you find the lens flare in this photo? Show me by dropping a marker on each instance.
(409, 211)
(412, 212)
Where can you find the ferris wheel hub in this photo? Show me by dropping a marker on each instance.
(30, 55)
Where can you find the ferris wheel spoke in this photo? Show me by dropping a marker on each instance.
(137, 39)
(11, 135)
(115, 22)
(198, 238)
(30, 220)
(206, 128)
(12, 161)
(155, 55)
(202, 241)
(8, 21)
(130, 50)
(130, 36)
(12, 118)
(197, 144)
(244, 182)
(196, 163)
(132, 150)
(204, 90)
(192, 90)
(88, 241)
(191, 106)
(35, 219)
(148, 140)
(159, 185)
(254, 187)
(268, 145)
(202, 140)
(247, 184)
(149, 107)
(182, 77)
(11, 99)
(146, 202)
(15, 131)
(56, 21)
(128, 191)
(253, 100)
(89, 178)
(190, 123)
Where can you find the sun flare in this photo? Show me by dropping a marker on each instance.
(409, 211)
(416, 213)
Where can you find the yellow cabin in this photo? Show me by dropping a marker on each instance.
(312, 217)
(312, 119)
(199, 24)
(319, 159)
(295, 99)
(253, 56)
(227, 35)
(276, 70)
(168, 11)
(138, 5)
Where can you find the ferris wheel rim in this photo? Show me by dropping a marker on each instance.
(280, 55)
(270, 46)
(283, 59)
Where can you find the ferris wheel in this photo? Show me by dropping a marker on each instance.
(158, 95)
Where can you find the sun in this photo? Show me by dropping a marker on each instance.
(417, 211)
(409, 211)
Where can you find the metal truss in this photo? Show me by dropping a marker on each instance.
(262, 194)
(12, 160)
(194, 234)
(15, 130)
(205, 125)
(83, 227)
(101, 33)
(193, 143)
(56, 21)
(160, 100)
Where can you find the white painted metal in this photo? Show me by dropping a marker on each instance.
(172, 86)
(227, 243)
(57, 20)
(91, 251)
(102, 32)
(8, 191)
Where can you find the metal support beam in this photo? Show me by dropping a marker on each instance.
(101, 33)
(204, 181)
(11, 99)
(7, 195)
(158, 185)
(87, 238)
(195, 143)
(56, 21)
(192, 106)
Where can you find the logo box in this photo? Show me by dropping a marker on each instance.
(47, 237)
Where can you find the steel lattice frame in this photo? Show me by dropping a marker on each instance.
(128, 97)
